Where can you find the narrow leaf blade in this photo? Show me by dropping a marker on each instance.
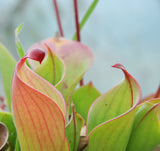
(86, 16)
(18, 29)
(7, 64)
(18, 43)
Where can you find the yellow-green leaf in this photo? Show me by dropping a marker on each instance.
(113, 135)
(52, 68)
(114, 102)
(7, 64)
(146, 131)
(83, 97)
(111, 116)
(77, 59)
(73, 130)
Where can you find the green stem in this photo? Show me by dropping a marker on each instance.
(86, 16)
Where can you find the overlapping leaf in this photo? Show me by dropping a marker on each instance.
(73, 130)
(113, 135)
(146, 130)
(39, 109)
(52, 68)
(77, 58)
(83, 98)
(7, 64)
(40, 84)
(111, 116)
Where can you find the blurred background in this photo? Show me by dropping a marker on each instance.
(118, 31)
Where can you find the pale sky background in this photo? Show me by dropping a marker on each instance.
(118, 31)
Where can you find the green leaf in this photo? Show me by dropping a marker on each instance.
(146, 131)
(86, 16)
(114, 102)
(75, 56)
(83, 98)
(77, 59)
(111, 116)
(113, 135)
(18, 29)
(7, 64)
(141, 110)
(6, 118)
(18, 43)
(17, 145)
(73, 130)
(20, 49)
(52, 68)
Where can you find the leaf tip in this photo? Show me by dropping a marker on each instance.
(118, 66)
(37, 55)
(90, 84)
(18, 29)
(157, 93)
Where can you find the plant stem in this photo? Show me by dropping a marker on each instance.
(74, 119)
(58, 18)
(81, 82)
(86, 16)
(77, 20)
(77, 28)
